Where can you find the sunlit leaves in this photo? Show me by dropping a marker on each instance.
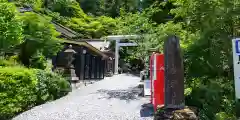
(39, 35)
(10, 26)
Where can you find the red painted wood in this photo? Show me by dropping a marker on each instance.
(159, 82)
(157, 88)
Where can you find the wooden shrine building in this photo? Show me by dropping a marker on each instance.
(90, 61)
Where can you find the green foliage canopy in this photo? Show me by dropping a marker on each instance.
(11, 26)
(39, 36)
(109, 7)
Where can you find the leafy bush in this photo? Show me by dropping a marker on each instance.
(10, 62)
(23, 88)
(225, 116)
(17, 90)
(213, 97)
(50, 86)
(38, 61)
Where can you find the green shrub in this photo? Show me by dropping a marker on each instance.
(213, 97)
(50, 86)
(23, 88)
(17, 93)
(5, 62)
(225, 116)
(38, 61)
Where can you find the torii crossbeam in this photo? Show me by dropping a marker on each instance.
(117, 39)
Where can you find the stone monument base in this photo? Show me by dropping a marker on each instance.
(188, 113)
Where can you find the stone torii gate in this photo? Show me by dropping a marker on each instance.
(117, 39)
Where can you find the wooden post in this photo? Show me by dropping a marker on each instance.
(174, 74)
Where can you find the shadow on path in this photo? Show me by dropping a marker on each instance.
(134, 74)
(132, 93)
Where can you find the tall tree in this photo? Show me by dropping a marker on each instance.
(69, 8)
(91, 6)
(164, 6)
(11, 26)
(39, 36)
(109, 7)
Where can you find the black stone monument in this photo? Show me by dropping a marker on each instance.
(174, 74)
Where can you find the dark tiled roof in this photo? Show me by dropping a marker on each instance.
(84, 43)
(65, 31)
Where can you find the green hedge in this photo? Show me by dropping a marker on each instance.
(213, 97)
(50, 86)
(17, 93)
(23, 88)
(10, 62)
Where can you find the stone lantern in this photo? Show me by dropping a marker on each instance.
(69, 68)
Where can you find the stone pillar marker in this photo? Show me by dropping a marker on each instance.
(174, 106)
(174, 74)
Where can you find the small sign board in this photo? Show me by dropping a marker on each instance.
(147, 87)
(237, 46)
(127, 44)
(236, 64)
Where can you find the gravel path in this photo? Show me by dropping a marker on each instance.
(114, 98)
